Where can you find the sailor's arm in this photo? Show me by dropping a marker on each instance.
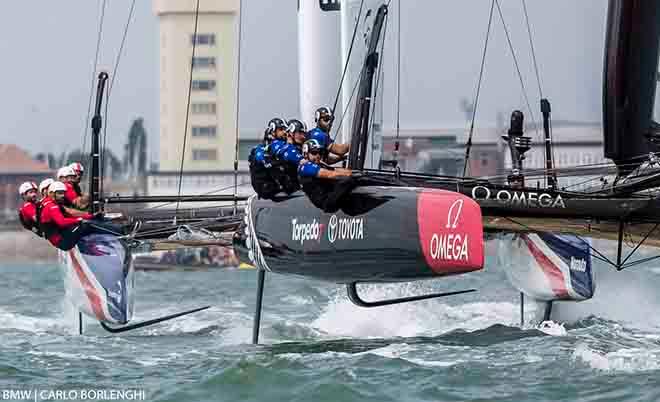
(76, 213)
(81, 202)
(333, 174)
(339, 149)
(60, 220)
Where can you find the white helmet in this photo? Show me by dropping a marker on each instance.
(27, 186)
(57, 186)
(78, 168)
(65, 171)
(44, 184)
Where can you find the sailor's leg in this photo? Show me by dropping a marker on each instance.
(71, 236)
(341, 187)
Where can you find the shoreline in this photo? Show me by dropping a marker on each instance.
(20, 245)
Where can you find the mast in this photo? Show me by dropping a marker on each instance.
(360, 127)
(94, 177)
(629, 81)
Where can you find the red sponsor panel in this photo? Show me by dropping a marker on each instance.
(450, 231)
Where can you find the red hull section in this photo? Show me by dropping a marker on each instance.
(450, 231)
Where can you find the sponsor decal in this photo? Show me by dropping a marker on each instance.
(529, 199)
(450, 246)
(578, 264)
(303, 232)
(450, 231)
(345, 229)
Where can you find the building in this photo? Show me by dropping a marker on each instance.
(16, 167)
(211, 131)
(442, 150)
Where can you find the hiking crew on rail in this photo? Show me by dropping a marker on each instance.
(59, 215)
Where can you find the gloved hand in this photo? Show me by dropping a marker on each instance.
(99, 215)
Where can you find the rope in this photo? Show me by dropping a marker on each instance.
(207, 193)
(185, 130)
(476, 98)
(515, 60)
(110, 85)
(348, 105)
(531, 45)
(91, 85)
(398, 79)
(375, 93)
(348, 57)
(238, 98)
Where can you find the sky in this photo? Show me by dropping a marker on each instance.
(48, 53)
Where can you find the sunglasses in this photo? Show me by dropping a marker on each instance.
(327, 118)
(314, 152)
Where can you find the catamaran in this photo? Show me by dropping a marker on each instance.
(403, 226)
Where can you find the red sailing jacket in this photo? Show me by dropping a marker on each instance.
(70, 194)
(28, 217)
(53, 220)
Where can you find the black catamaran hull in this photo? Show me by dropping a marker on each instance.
(381, 234)
(507, 209)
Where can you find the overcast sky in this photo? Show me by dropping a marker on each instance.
(48, 47)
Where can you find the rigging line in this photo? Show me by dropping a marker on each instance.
(91, 85)
(110, 85)
(185, 129)
(238, 98)
(348, 105)
(515, 60)
(476, 98)
(531, 45)
(207, 193)
(348, 57)
(398, 79)
(375, 98)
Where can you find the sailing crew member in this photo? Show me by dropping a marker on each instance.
(67, 175)
(277, 127)
(43, 187)
(61, 231)
(323, 184)
(260, 164)
(289, 157)
(29, 212)
(321, 133)
(79, 170)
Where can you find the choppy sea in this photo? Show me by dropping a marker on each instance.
(317, 346)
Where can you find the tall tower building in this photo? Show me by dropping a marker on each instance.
(211, 130)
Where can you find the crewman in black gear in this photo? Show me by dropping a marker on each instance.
(324, 185)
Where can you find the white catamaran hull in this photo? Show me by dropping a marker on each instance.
(547, 267)
(98, 278)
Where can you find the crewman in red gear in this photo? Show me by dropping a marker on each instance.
(79, 170)
(71, 198)
(43, 187)
(28, 214)
(61, 231)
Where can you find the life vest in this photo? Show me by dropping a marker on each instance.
(263, 182)
(48, 229)
(286, 176)
(32, 225)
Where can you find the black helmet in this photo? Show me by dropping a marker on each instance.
(276, 123)
(268, 135)
(311, 145)
(296, 126)
(323, 111)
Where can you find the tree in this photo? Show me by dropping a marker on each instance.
(135, 156)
